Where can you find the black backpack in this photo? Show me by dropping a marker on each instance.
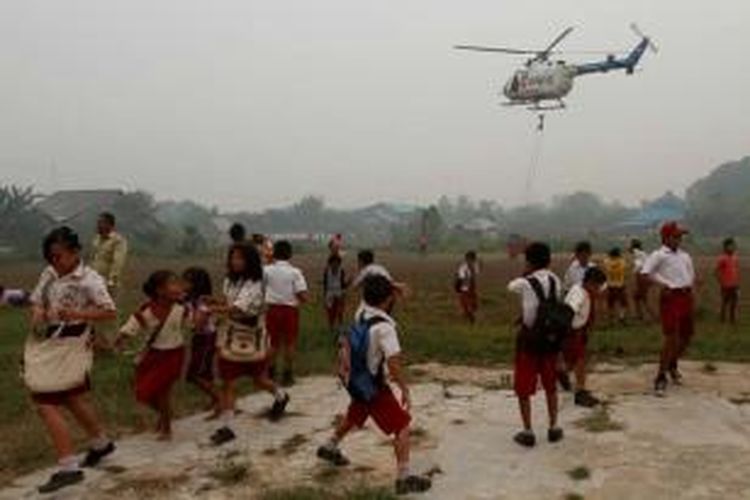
(554, 319)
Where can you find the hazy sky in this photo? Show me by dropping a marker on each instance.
(249, 103)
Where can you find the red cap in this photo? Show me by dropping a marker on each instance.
(672, 228)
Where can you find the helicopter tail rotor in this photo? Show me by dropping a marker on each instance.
(640, 34)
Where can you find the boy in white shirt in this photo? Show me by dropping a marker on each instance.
(466, 286)
(581, 298)
(531, 365)
(286, 290)
(581, 261)
(383, 360)
(671, 268)
(640, 290)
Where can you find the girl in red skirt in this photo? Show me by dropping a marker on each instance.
(203, 345)
(166, 322)
(243, 347)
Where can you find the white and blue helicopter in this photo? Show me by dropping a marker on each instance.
(542, 80)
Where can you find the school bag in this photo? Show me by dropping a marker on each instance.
(353, 370)
(554, 319)
(246, 340)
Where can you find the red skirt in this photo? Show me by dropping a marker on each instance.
(232, 370)
(282, 323)
(157, 373)
(60, 398)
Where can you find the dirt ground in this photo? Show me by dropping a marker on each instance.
(694, 443)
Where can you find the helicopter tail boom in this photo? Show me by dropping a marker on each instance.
(628, 63)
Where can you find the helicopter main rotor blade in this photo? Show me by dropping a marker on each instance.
(556, 41)
(502, 50)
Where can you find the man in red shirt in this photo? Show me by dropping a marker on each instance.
(728, 275)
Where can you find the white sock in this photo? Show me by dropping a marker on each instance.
(332, 444)
(68, 464)
(278, 394)
(403, 471)
(99, 443)
(227, 416)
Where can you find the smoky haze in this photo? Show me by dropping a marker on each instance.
(247, 104)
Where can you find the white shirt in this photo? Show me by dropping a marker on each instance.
(466, 273)
(383, 339)
(247, 296)
(575, 273)
(671, 269)
(639, 259)
(529, 300)
(283, 283)
(79, 290)
(371, 270)
(175, 329)
(580, 301)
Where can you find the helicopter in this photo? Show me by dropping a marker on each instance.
(542, 80)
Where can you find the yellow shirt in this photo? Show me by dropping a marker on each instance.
(108, 257)
(615, 270)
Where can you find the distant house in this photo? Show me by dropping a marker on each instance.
(654, 213)
(77, 208)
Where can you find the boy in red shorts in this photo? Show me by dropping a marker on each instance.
(581, 298)
(728, 275)
(383, 360)
(531, 364)
(671, 268)
(286, 290)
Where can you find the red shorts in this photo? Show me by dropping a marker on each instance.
(386, 412)
(677, 313)
(282, 323)
(232, 370)
(469, 301)
(574, 347)
(729, 293)
(641, 288)
(60, 398)
(530, 368)
(335, 309)
(617, 295)
(157, 373)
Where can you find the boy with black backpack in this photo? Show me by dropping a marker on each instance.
(369, 354)
(545, 321)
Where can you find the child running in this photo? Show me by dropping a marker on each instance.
(286, 291)
(166, 321)
(466, 286)
(617, 295)
(728, 276)
(68, 300)
(582, 300)
(335, 284)
(378, 360)
(243, 344)
(533, 363)
(198, 291)
(671, 268)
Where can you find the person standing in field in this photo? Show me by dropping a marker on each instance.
(368, 356)
(671, 268)
(237, 233)
(641, 283)
(68, 300)
(728, 276)
(166, 322)
(617, 295)
(582, 300)
(465, 285)
(534, 362)
(335, 284)
(286, 291)
(243, 347)
(199, 291)
(366, 266)
(336, 245)
(109, 252)
(578, 266)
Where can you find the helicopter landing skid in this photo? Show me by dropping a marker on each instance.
(554, 107)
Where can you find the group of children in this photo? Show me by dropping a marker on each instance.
(256, 319)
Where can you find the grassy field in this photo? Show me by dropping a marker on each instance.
(432, 330)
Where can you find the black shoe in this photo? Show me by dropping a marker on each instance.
(94, 456)
(278, 408)
(660, 385)
(555, 435)
(525, 438)
(287, 380)
(60, 480)
(585, 399)
(564, 380)
(333, 455)
(413, 484)
(223, 436)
